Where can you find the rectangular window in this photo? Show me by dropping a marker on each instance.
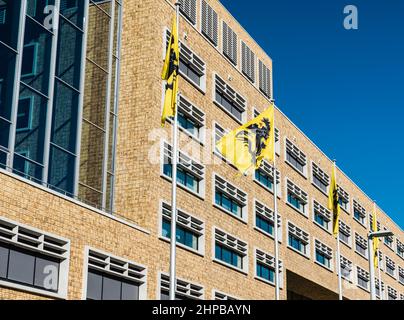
(265, 79)
(265, 267)
(3, 11)
(185, 290)
(371, 223)
(344, 233)
(323, 254)
(359, 213)
(230, 250)
(377, 287)
(192, 67)
(220, 132)
(298, 239)
(190, 174)
(343, 198)
(191, 119)
(229, 198)
(389, 241)
(296, 158)
(264, 176)
(229, 100)
(188, 9)
(391, 293)
(322, 216)
(112, 278)
(390, 267)
(29, 60)
(264, 220)
(346, 268)
(247, 62)
(400, 248)
(362, 278)
(296, 197)
(320, 179)
(190, 230)
(230, 43)
(210, 22)
(30, 259)
(24, 115)
(361, 246)
(400, 275)
(223, 296)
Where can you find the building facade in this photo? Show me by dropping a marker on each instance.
(86, 175)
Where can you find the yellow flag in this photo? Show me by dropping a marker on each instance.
(170, 74)
(251, 143)
(375, 239)
(333, 202)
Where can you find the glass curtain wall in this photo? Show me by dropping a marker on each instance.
(58, 94)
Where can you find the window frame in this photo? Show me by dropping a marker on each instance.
(33, 72)
(316, 204)
(307, 245)
(268, 261)
(314, 176)
(343, 225)
(30, 111)
(216, 45)
(359, 274)
(302, 155)
(329, 256)
(361, 239)
(184, 285)
(267, 169)
(357, 207)
(266, 216)
(305, 211)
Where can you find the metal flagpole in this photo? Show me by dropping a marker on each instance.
(379, 276)
(277, 283)
(338, 250)
(371, 268)
(174, 187)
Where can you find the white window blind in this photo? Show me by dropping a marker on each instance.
(247, 62)
(230, 43)
(264, 79)
(209, 23)
(188, 9)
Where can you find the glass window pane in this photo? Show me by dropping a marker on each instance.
(7, 68)
(130, 291)
(73, 10)
(111, 289)
(4, 133)
(68, 64)
(46, 274)
(3, 261)
(36, 9)
(64, 124)
(36, 57)
(98, 33)
(61, 170)
(26, 168)
(10, 18)
(31, 139)
(21, 267)
(94, 286)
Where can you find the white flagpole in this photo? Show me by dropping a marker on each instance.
(277, 280)
(174, 157)
(379, 276)
(338, 251)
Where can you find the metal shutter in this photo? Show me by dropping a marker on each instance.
(229, 43)
(248, 62)
(209, 23)
(188, 8)
(265, 79)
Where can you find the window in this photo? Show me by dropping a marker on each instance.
(264, 220)
(3, 12)
(192, 67)
(209, 23)
(371, 223)
(185, 290)
(391, 293)
(400, 275)
(222, 296)
(230, 199)
(24, 115)
(295, 157)
(323, 254)
(247, 62)
(32, 260)
(29, 60)
(69, 4)
(230, 250)
(389, 241)
(190, 230)
(346, 268)
(112, 278)
(361, 246)
(190, 174)
(400, 248)
(265, 267)
(188, 9)
(362, 278)
(390, 267)
(220, 132)
(343, 198)
(264, 176)
(265, 79)
(277, 134)
(191, 119)
(344, 233)
(229, 100)
(230, 43)
(379, 293)
(320, 179)
(359, 213)
(296, 197)
(321, 216)
(298, 240)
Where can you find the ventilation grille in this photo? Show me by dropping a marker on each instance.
(320, 174)
(344, 228)
(298, 233)
(231, 242)
(247, 62)
(224, 89)
(361, 210)
(188, 8)
(362, 274)
(265, 212)
(296, 153)
(209, 23)
(192, 111)
(230, 190)
(264, 79)
(327, 251)
(267, 260)
(184, 220)
(361, 241)
(183, 288)
(321, 210)
(299, 193)
(343, 194)
(229, 43)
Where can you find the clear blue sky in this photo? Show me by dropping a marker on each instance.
(323, 73)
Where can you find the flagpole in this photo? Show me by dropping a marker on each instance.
(379, 276)
(277, 283)
(173, 244)
(338, 252)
